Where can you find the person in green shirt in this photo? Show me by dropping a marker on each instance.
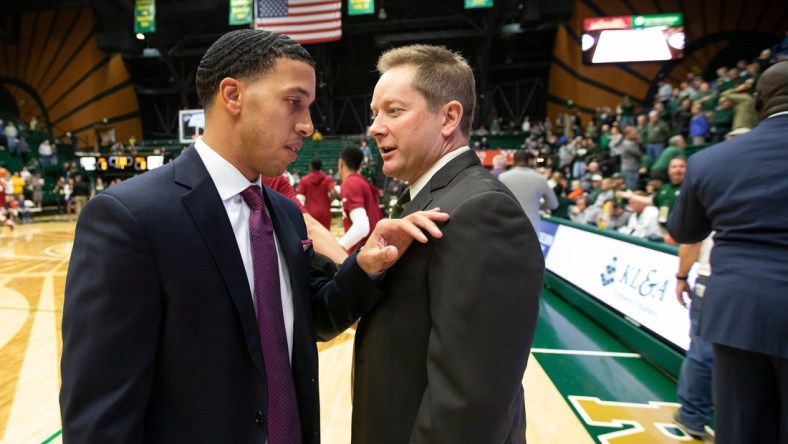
(721, 120)
(676, 145)
(666, 197)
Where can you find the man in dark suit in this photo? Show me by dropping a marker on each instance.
(441, 358)
(739, 189)
(161, 341)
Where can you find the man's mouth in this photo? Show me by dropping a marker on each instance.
(387, 149)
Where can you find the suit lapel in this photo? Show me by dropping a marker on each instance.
(205, 206)
(440, 180)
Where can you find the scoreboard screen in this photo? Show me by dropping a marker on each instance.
(633, 38)
(120, 163)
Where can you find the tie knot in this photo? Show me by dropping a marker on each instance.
(253, 197)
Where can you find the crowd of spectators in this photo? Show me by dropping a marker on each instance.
(621, 168)
(40, 174)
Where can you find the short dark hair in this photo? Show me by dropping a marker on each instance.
(352, 156)
(316, 164)
(244, 54)
(522, 157)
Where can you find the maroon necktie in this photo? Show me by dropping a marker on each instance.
(284, 425)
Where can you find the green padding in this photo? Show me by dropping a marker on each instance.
(652, 349)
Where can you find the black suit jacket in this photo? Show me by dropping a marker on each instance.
(739, 188)
(441, 358)
(160, 339)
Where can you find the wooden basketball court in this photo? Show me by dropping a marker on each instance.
(581, 385)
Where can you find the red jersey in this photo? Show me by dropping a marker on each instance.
(357, 192)
(281, 185)
(315, 186)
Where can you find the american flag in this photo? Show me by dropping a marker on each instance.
(305, 21)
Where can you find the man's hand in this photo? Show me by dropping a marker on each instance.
(682, 288)
(392, 237)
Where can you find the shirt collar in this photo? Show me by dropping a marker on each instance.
(422, 181)
(228, 180)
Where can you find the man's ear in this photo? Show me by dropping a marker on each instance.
(452, 114)
(230, 95)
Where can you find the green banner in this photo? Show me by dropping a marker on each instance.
(240, 12)
(145, 16)
(470, 4)
(650, 20)
(359, 7)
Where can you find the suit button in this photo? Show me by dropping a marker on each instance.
(259, 418)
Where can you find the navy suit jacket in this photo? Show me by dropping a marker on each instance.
(739, 188)
(160, 339)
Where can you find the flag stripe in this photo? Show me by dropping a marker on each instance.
(307, 21)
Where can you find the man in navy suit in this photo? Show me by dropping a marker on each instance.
(739, 188)
(160, 338)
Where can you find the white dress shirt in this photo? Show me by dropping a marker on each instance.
(421, 182)
(230, 183)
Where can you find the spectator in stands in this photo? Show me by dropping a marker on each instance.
(578, 211)
(628, 149)
(626, 113)
(316, 192)
(576, 190)
(23, 148)
(526, 126)
(11, 134)
(612, 216)
(360, 200)
(499, 165)
(659, 169)
(744, 311)
(666, 197)
(657, 134)
(744, 114)
(598, 185)
(367, 153)
(19, 210)
(592, 169)
(17, 183)
(706, 97)
(98, 187)
(642, 126)
(59, 191)
(699, 125)
(81, 194)
(664, 91)
(722, 120)
(530, 188)
(643, 222)
(36, 188)
(45, 153)
(681, 118)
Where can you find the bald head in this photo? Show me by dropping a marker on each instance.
(772, 92)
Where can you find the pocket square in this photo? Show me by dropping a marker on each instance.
(305, 244)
